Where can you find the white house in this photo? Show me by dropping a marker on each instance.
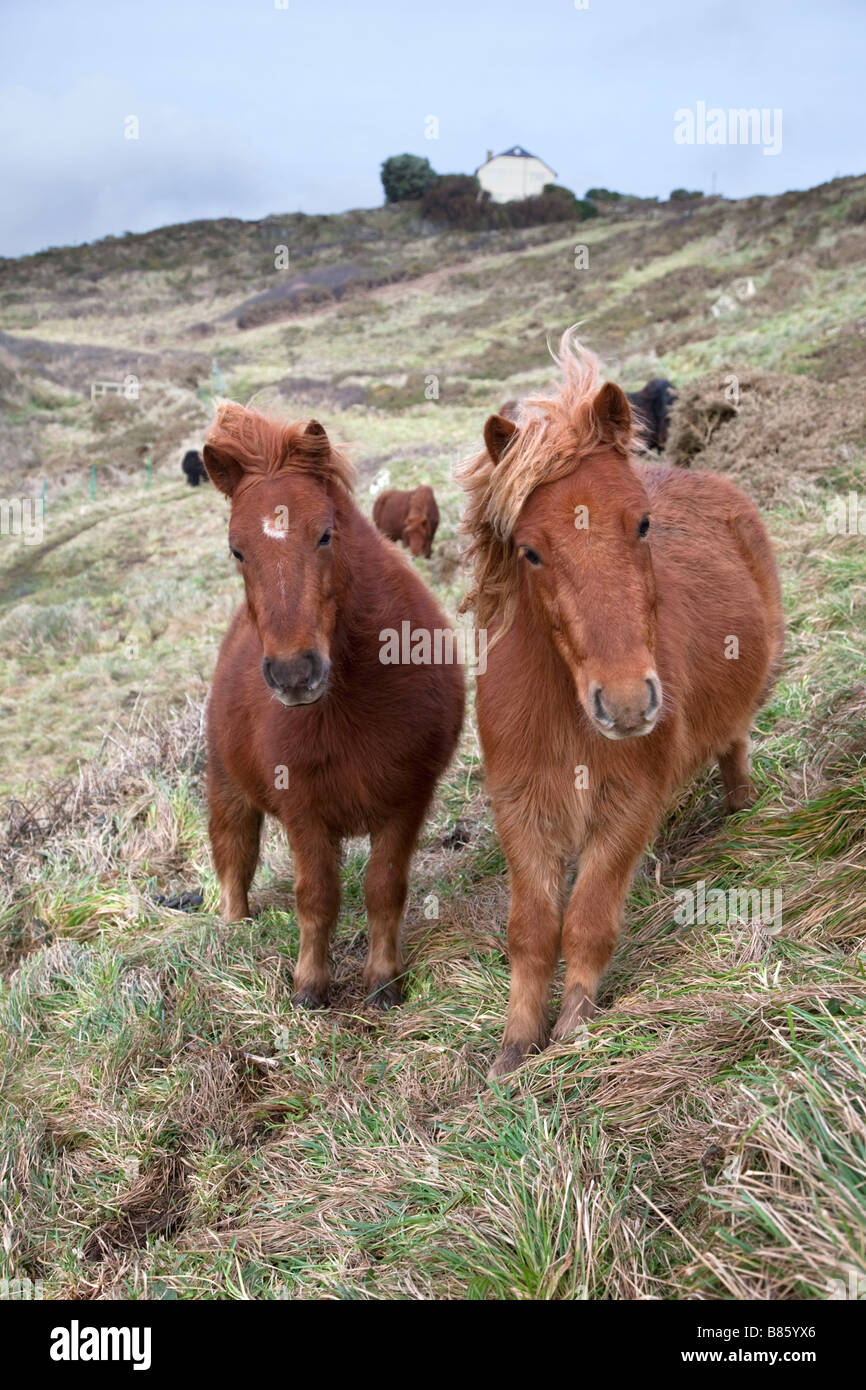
(514, 174)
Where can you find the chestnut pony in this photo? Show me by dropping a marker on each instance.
(410, 517)
(635, 627)
(305, 723)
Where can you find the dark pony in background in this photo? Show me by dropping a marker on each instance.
(651, 412)
(635, 626)
(305, 722)
(193, 468)
(651, 408)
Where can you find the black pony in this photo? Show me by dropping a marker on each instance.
(652, 407)
(194, 468)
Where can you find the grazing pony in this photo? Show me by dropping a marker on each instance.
(635, 627)
(193, 468)
(411, 517)
(305, 722)
(651, 407)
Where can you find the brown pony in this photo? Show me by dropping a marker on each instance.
(635, 628)
(411, 517)
(305, 722)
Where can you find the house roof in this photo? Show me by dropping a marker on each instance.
(518, 152)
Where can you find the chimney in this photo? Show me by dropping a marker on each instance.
(489, 154)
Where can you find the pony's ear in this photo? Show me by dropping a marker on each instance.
(224, 472)
(613, 414)
(314, 443)
(498, 433)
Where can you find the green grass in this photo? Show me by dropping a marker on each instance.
(171, 1126)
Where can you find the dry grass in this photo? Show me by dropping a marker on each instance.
(174, 1128)
(171, 1127)
(779, 437)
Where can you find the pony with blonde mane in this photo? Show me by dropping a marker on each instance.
(306, 720)
(634, 628)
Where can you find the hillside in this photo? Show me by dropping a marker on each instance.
(176, 1128)
(371, 298)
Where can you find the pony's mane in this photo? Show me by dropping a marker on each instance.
(553, 435)
(263, 446)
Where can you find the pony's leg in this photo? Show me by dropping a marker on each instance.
(235, 828)
(317, 899)
(534, 931)
(594, 913)
(385, 887)
(736, 778)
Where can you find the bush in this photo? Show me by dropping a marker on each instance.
(555, 204)
(682, 195)
(602, 195)
(406, 176)
(458, 201)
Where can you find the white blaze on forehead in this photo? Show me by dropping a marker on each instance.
(276, 524)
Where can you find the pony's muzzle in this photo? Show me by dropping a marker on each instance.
(415, 539)
(297, 680)
(620, 711)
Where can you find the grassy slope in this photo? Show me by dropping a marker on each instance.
(173, 1127)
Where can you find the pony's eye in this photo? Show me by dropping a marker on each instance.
(237, 554)
(643, 526)
(532, 556)
(325, 538)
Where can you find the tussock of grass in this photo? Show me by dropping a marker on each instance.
(174, 1126)
(171, 1126)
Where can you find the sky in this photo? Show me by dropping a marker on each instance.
(251, 107)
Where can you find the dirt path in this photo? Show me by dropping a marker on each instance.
(21, 570)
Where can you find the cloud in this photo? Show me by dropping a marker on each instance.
(76, 176)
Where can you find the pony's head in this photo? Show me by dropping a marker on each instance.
(560, 529)
(416, 532)
(288, 489)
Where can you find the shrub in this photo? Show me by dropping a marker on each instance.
(682, 195)
(602, 195)
(458, 201)
(554, 204)
(406, 176)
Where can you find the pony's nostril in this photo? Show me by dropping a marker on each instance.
(652, 708)
(309, 669)
(601, 713)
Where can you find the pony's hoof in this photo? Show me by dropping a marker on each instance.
(310, 999)
(574, 1015)
(509, 1059)
(386, 995)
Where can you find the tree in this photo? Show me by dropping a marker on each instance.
(406, 176)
